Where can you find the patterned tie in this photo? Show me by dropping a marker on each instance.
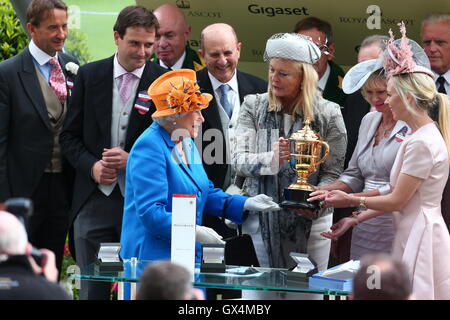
(224, 89)
(57, 80)
(441, 87)
(125, 86)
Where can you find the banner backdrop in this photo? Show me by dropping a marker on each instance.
(256, 20)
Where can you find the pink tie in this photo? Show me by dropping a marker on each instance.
(57, 80)
(125, 86)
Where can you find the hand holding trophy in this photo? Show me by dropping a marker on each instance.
(305, 148)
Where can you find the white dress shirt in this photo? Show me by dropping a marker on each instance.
(177, 65)
(40, 60)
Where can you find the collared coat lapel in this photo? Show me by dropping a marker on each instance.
(245, 87)
(193, 171)
(31, 86)
(141, 121)
(103, 84)
(370, 132)
(211, 114)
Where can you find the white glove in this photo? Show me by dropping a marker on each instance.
(261, 202)
(206, 235)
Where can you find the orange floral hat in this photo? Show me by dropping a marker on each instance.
(177, 92)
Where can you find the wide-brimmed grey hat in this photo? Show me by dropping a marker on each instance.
(292, 46)
(356, 77)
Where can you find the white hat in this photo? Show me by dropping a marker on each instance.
(292, 46)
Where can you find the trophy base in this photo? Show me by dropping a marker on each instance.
(297, 199)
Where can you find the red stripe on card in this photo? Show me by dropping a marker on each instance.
(185, 196)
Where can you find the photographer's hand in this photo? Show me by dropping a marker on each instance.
(47, 267)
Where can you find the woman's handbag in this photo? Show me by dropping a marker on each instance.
(240, 251)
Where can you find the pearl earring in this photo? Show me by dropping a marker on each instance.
(174, 123)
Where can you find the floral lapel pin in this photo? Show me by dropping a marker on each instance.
(72, 68)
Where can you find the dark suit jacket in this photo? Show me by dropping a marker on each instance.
(26, 136)
(333, 88)
(87, 128)
(248, 84)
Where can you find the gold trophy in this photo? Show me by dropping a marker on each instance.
(305, 148)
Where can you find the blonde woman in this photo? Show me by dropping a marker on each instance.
(265, 122)
(419, 174)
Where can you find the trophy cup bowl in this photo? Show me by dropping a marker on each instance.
(305, 149)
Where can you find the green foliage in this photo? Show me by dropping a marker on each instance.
(76, 46)
(13, 38)
(67, 262)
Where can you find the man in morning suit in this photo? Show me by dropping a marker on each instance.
(109, 110)
(172, 50)
(220, 50)
(33, 105)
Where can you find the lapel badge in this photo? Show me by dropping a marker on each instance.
(143, 102)
(401, 134)
(69, 83)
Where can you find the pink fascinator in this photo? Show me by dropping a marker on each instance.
(405, 56)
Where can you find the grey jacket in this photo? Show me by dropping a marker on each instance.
(353, 176)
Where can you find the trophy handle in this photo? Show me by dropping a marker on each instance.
(327, 152)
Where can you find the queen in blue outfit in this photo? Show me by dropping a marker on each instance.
(164, 161)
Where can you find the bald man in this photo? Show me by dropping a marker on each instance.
(171, 46)
(20, 275)
(220, 49)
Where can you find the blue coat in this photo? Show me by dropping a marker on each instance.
(153, 176)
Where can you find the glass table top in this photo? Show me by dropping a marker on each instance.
(234, 277)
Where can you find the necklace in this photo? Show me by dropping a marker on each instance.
(383, 132)
(386, 129)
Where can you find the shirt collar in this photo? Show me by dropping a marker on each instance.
(177, 65)
(119, 70)
(40, 56)
(323, 81)
(232, 83)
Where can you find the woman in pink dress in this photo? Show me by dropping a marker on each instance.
(418, 176)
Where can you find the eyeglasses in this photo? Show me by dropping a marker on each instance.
(324, 47)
